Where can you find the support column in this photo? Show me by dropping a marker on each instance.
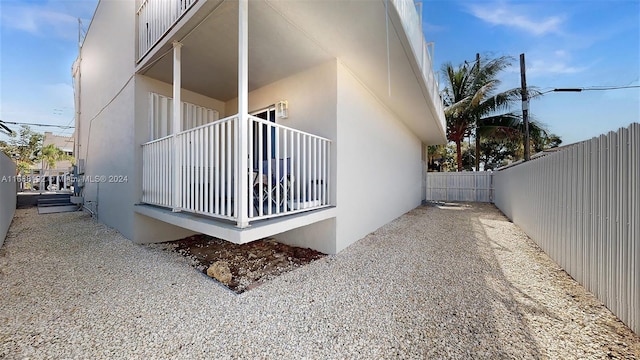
(176, 124)
(243, 115)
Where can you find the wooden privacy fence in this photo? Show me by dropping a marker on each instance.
(459, 186)
(581, 206)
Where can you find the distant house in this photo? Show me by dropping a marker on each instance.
(306, 121)
(64, 143)
(44, 177)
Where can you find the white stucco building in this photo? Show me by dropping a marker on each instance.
(301, 120)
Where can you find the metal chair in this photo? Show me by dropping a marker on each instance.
(274, 188)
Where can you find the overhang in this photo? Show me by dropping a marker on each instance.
(287, 37)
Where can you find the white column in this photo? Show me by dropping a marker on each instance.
(176, 123)
(242, 181)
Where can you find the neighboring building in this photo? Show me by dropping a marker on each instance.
(42, 176)
(340, 94)
(64, 143)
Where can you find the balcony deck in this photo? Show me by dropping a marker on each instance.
(227, 230)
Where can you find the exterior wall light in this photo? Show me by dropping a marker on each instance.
(282, 109)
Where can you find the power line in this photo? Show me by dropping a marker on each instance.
(36, 124)
(595, 88)
(589, 88)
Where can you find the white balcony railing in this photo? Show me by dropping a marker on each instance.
(157, 170)
(296, 176)
(155, 19)
(288, 170)
(413, 28)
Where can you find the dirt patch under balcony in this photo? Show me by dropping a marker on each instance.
(249, 264)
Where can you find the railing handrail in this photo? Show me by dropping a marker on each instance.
(266, 122)
(232, 117)
(223, 120)
(228, 118)
(144, 2)
(157, 140)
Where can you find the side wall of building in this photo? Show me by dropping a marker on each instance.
(105, 90)
(379, 162)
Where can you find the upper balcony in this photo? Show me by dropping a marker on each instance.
(412, 24)
(155, 18)
(289, 37)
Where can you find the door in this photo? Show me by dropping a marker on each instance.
(268, 137)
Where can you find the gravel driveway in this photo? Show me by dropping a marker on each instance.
(455, 281)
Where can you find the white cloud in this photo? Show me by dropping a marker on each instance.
(53, 19)
(502, 14)
(544, 67)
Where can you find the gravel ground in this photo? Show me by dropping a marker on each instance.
(455, 281)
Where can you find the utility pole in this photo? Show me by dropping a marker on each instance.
(525, 108)
(477, 119)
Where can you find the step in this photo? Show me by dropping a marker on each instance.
(29, 199)
(57, 209)
(47, 202)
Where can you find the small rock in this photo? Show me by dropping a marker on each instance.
(219, 270)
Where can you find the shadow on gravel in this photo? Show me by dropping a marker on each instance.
(472, 293)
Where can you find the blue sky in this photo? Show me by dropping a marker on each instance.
(38, 44)
(567, 44)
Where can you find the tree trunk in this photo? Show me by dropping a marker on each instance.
(477, 149)
(459, 154)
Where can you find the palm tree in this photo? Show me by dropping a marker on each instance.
(505, 140)
(471, 100)
(50, 155)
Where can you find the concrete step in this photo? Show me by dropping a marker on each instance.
(51, 209)
(47, 202)
(29, 199)
(55, 203)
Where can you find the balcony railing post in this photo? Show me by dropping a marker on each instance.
(175, 128)
(242, 170)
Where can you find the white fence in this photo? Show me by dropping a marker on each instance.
(8, 194)
(45, 180)
(581, 206)
(459, 186)
(155, 18)
(288, 170)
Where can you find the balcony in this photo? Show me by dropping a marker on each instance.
(155, 18)
(198, 170)
(412, 26)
